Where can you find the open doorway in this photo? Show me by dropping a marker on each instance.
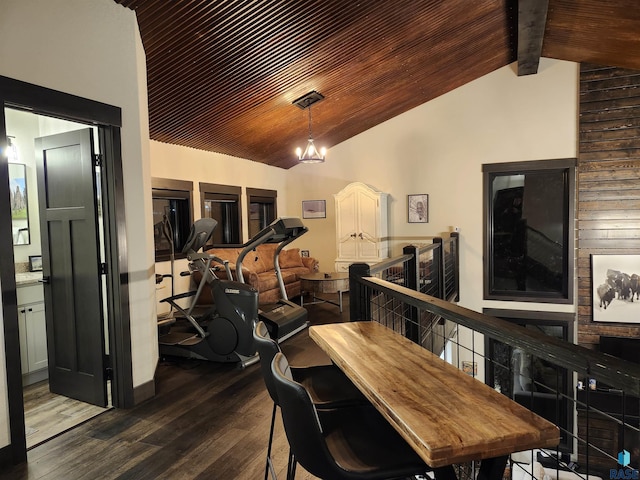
(115, 355)
(47, 414)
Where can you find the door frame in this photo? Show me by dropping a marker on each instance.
(39, 100)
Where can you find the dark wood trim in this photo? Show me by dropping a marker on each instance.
(261, 192)
(525, 167)
(171, 184)
(147, 390)
(217, 188)
(529, 166)
(40, 100)
(172, 187)
(122, 392)
(531, 315)
(6, 457)
(18, 446)
(265, 194)
(144, 392)
(231, 190)
(532, 20)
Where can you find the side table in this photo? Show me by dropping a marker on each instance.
(319, 283)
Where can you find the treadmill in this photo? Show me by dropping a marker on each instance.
(284, 318)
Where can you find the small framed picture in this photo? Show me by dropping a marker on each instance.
(304, 253)
(314, 209)
(35, 263)
(418, 208)
(470, 368)
(615, 283)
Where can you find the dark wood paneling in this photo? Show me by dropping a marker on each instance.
(222, 74)
(608, 186)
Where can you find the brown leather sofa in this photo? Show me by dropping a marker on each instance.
(259, 272)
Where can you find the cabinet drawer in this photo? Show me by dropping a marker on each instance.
(30, 294)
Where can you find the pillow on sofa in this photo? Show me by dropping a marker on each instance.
(290, 258)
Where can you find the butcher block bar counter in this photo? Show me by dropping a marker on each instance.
(447, 416)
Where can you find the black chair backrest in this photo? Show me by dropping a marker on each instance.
(267, 349)
(301, 422)
(201, 231)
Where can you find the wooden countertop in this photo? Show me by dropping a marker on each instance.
(446, 415)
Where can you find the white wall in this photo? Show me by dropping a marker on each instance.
(438, 148)
(24, 127)
(93, 49)
(181, 163)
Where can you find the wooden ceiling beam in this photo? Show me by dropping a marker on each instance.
(532, 20)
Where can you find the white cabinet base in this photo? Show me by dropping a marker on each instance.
(33, 334)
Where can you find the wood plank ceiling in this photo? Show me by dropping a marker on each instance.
(222, 74)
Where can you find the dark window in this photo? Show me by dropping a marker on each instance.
(529, 231)
(172, 216)
(222, 203)
(262, 209)
(539, 385)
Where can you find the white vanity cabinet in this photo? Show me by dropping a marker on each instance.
(361, 226)
(33, 332)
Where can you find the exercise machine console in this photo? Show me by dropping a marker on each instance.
(284, 318)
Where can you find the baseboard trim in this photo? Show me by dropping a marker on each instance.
(6, 457)
(144, 392)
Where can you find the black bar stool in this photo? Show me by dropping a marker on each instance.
(326, 384)
(348, 443)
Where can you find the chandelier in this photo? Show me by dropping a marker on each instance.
(310, 154)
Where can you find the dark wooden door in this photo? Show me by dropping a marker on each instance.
(71, 265)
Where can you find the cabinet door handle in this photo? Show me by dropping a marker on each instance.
(45, 280)
(23, 311)
(353, 235)
(361, 237)
(31, 309)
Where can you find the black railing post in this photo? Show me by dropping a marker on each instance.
(359, 295)
(412, 275)
(455, 245)
(412, 272)
(438, 266)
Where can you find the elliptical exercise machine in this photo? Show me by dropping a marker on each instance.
(284, 318)
(227, 336)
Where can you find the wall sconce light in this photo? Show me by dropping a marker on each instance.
(12, 149)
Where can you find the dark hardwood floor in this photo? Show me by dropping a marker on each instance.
(207, 421)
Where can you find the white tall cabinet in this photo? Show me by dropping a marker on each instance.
(361, 226)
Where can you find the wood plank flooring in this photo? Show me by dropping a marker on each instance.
(48, 415)
(207, 421)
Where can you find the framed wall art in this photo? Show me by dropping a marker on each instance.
(35, 263)
(19, 209)
(615, 280)
(418, 208)
(314, 209)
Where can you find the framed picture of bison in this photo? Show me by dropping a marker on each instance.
(616, 288)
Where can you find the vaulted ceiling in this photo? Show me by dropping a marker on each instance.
(222, 74)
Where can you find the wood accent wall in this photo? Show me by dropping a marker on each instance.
(608, 183)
